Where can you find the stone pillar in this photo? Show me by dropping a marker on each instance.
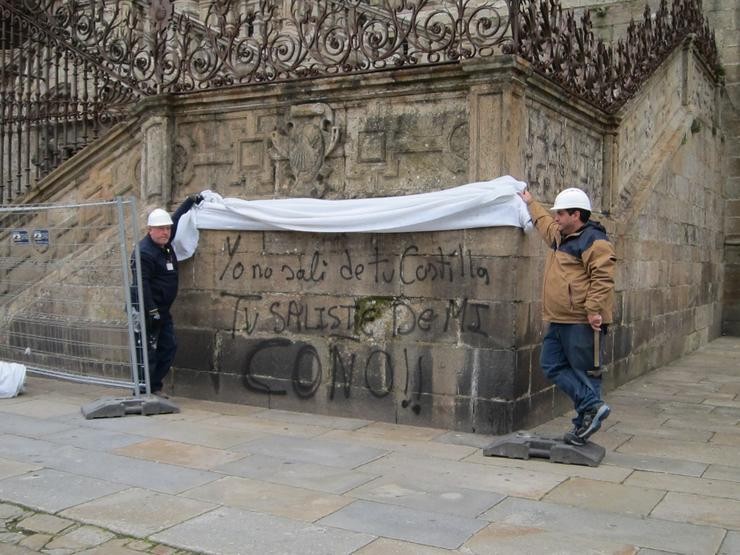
(157, 150)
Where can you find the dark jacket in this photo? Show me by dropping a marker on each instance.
(579, 272)
(159, 283)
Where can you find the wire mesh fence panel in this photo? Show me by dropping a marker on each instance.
(65, 298)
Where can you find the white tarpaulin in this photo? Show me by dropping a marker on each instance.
(482, 204)
(12, 378)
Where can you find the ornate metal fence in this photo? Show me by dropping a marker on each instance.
(69, 68)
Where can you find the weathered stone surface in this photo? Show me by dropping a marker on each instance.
(138, 512)
(651, 533)
(404, 524)
(212, 532)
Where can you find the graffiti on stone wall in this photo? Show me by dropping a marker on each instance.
(366, 342)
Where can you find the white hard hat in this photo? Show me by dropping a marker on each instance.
(158, 218)
(572, 198)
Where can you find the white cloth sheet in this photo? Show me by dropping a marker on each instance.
(12, 378)
(482, 204)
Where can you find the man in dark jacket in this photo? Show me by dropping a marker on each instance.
(578, 301)
(159, 283)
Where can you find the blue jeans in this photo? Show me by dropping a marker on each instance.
(567, 355)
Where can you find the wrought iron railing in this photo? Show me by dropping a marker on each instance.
(70, 68)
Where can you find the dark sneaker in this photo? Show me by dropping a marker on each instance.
(592, 420)
(571, 438)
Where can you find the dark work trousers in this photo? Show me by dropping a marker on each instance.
(567, 356)
(162, 346)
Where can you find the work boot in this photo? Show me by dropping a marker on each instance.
(592, 419)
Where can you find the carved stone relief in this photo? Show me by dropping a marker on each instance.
(182, 167)
(559, 154)
(414, 145)
(305, 141)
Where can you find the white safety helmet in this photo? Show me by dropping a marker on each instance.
(572, 198)
(158, 218)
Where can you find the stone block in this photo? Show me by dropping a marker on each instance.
(498, 241)
(491, 417)
(533, 410)
(488, 374)
(216, 386)
(195, 349)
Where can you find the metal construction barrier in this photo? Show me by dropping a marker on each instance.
(66, 293)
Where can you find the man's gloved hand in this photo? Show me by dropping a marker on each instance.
(153, 320)
(153, 323)
(197, 198)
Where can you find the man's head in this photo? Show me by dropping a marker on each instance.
(572, 209)
(159, 226)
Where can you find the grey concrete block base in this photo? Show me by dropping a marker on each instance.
(112, 407)
(523, 445)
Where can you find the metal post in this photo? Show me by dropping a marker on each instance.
(140, 296)
(127, 295)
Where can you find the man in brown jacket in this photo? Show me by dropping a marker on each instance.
(578, 301)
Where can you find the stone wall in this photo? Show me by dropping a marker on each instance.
(610, 20)
(435, 329)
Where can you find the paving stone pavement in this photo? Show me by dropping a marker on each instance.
(236, 480)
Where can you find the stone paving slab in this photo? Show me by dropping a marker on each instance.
(428, 496)
(122, 470)
(385, 546)
(83, 537)
(303, 475)
(506, 539)
(138, 512)
(479, 441)
(651, 532)
(686, 450)
(265, 497)
(720, 472)
(32, 427)
(228, 530)
(400, 432)
(685, 484)
(399, 444)
(96, 440)
(699, 509)
(45, 523)
(181, 454)
(719, 425)
(332, 422)
(604, 472)
(401, 523)
(603, 496)
(14, 468)
(662, 432)
(196, 433)
(43, 408)
(267, 427)
(656, 464)
(312, 450)
(503, 480)
(726, 439)
(51, 491)
(731, 545)
(211, 409)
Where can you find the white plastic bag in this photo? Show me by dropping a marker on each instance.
(12, 378)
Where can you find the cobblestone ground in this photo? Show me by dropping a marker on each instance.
(27, 532)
